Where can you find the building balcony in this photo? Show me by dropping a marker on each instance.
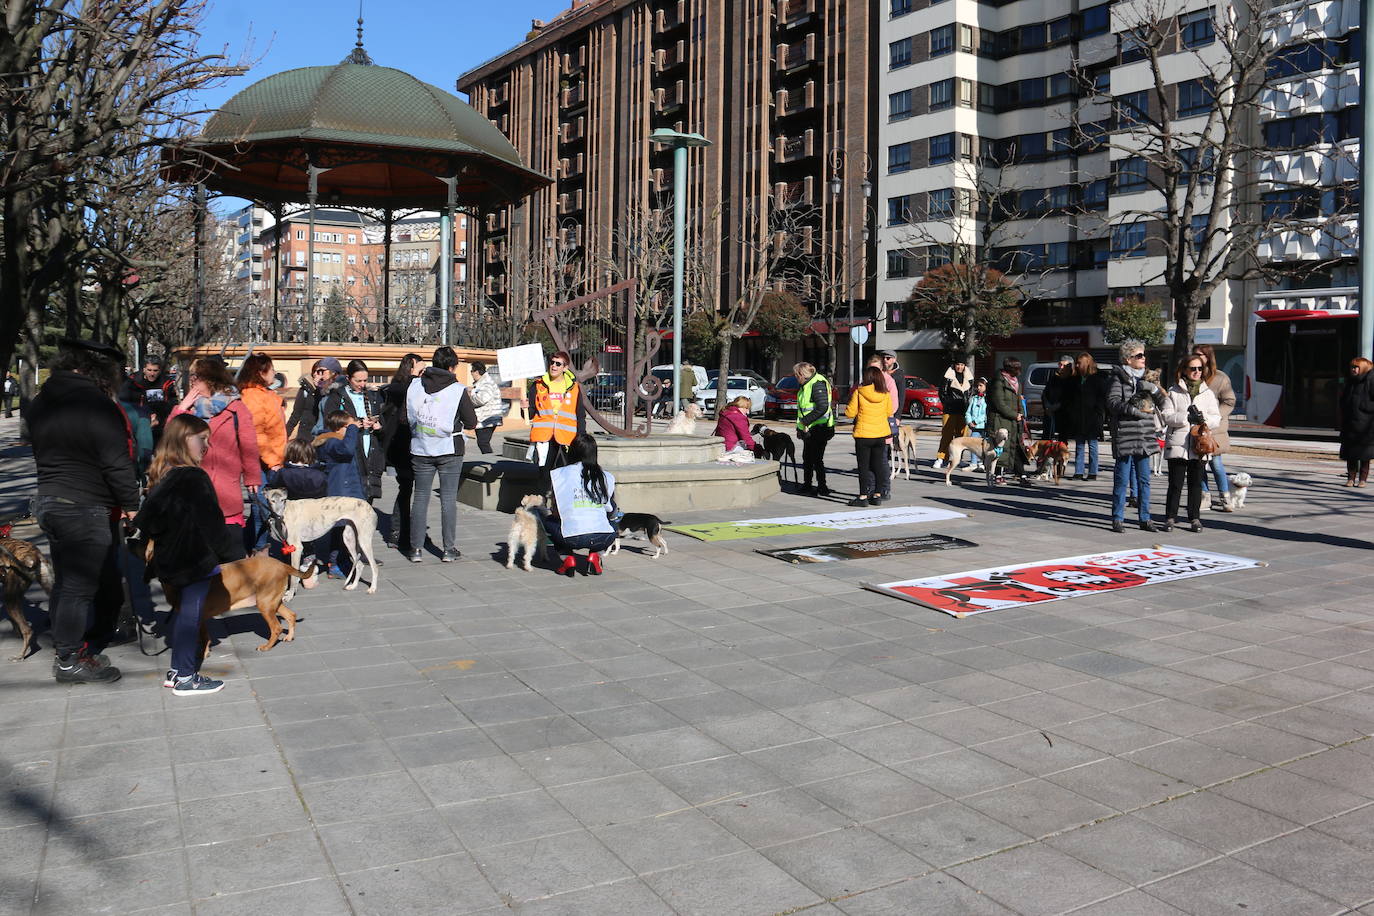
(788, 102)
(570, 203)
(572, 167)
(662, 180)
(573, 131)
(495, 252)
(1323, 240)
(574, 62)
(498, 221)
(666, 59)
(797, 56)
(1328, 90)
(1339, 299)
(793, 194)
(793, 13)
(575, 97)
(671, 18)
(500, 94)
(793, 149)
(1325, 165)
(1306, 19)
(671, 98)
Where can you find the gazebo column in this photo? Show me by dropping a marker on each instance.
(312, 195)
(276, 273)
(446, 256)
(198, 265)
(386, 264)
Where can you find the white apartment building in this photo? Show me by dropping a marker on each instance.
(1031, 100)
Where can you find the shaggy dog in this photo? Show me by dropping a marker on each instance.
(1240, 485)
(525, 531)
(685, 423)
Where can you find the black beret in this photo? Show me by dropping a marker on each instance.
(109, 351)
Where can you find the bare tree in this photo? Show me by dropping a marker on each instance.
(80, 82)
(839, 280)
(642, 252)
(1199, 202)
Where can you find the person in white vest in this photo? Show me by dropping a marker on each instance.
(583, 502)
(439, 408)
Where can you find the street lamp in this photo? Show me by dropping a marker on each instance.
(679, 142)
(839, 166)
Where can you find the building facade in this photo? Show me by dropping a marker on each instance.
(783, 92)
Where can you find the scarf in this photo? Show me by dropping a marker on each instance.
(1194, 388)
(215, 404)
(561, 384)
(1135, 373)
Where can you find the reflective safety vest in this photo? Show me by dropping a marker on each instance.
(805, 404)
(432, 418)
(555, 415)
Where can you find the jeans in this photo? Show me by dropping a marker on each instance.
(594, 541)
(399, 532)
(1219, 469)
(1179, 468)
(873, 472)
(185, 636)
(484, 434)
(450, 471)
(1092, 456)
(1131, 468)
(813, 454)
(87, 592)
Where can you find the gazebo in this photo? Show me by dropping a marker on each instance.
(355, 135)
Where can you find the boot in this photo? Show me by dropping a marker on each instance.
(569, 567)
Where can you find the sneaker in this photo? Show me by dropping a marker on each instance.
(859, 501)
(1118, 525)
(1092, 476)
(938, 464)
(1132, 502)
(1223, 507)
(82, 669)
(451, 554)
(1149, 526)
(415, 556)
(196, 684)
(1205, 506)
(169, 678)
(335, 572)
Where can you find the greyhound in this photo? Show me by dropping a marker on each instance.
(296, 521)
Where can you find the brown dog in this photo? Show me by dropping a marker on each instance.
(1050, 450)
(255, 582)
(21, 565)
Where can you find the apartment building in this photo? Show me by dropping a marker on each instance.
(1008, 133)
(783, 92)
(1304, 327)
(357, 295)
(246, 258)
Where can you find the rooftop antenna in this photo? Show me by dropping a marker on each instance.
(358, 55)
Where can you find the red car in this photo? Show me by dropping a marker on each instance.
(921, 399)
(781, 398)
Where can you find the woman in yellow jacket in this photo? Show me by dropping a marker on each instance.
(870, 406)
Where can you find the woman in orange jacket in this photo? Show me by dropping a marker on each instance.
(870, 407)
(269, 422)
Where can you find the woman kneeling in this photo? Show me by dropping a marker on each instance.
(583, 501)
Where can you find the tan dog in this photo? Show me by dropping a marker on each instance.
(22, 565)
(988, 451)
(904, 450)
(259, 582)
(685, 423)
(1142, 401)
(1052, 451)
(525, 531)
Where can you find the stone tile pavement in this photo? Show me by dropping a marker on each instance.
(718, 732)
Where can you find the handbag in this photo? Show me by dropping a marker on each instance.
(1202, 441)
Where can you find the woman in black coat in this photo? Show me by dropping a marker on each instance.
(1357, 423)
(1084, 413)
(396, 435)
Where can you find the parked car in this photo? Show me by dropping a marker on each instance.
(1033, 384)
(735, 386)
(781, 398)
(607, 391)
(713, 374)
(665, 375)
(921, 399)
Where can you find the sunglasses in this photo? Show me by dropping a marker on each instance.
(1136, 356)
(1194, 368)
(556, 362)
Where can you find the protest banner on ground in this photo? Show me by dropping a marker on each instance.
(805, 524)
(981, 590)
(867, 550)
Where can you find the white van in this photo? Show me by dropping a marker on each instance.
(1033, 384)
(665, 374)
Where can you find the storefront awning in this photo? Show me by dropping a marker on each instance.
(1303, 314)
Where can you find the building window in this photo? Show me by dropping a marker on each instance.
(899, 157)
(1198, 231)
(900, 8)
(1097, 20)
(898, 265)
(300, 235)
(1194, 98)
(896, 314)
(1061, 30)
(940, 203)
(1195, 29)
(1131, 175)
(942, 41)
(941, 94)
(1133, 108)
(353, 259)
(899, 105)
(966, 38)
(899, 210)
(941, 149)
(352, 239)
(1128, 241)
(899, 53)
(1095, 195)
(965, 92)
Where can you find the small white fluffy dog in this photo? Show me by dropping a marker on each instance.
(525, 531)
(1240, 485)
(685, 423)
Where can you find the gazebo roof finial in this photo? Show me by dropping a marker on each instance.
(358, 55)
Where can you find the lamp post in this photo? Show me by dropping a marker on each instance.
(1366, 341)
(679, 142)
(839, 189)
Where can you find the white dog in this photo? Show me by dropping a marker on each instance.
(685, 423)
(1240, 485)
(525, 531)
(296, 521)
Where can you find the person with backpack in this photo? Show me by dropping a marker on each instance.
(438, 408)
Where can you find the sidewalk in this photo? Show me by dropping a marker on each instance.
(718, 732)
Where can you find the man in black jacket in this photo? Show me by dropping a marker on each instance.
(151, 390)
(86, 481)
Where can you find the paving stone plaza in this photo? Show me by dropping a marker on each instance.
(719, 732)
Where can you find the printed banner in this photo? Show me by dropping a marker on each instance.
(981, 590)
(867, 550)
(805, 524)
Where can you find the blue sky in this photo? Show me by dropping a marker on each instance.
(432, 41)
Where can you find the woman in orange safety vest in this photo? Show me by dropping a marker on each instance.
(558, 412)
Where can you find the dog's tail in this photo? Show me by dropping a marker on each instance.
(45, 574)
(306, 573)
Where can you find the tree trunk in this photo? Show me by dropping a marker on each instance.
(1185, 321)
(723, 379)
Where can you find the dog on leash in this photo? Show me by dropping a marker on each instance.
(1240, 485)
(987, 451)
(297, 521)
(260, 582)
(650, 525)
(779, 447)
(685, 423)
(21, 565)
(1053, 453)
(525, 531)
(904, 451)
